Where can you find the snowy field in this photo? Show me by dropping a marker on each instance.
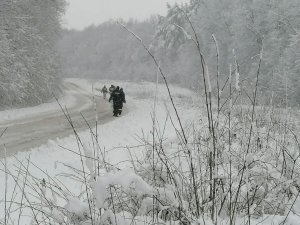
(114, 136)
(122, 141)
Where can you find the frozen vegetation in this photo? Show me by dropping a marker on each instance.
(140, 168)
(106, 51)
(29, 63)
(223, 150)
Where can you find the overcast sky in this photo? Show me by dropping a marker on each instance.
(82, 13)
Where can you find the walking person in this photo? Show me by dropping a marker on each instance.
(122, 99)
(111, 90)
(117, 101)
(104, 91)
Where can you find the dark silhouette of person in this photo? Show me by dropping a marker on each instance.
(123, 100)
(111, 89)
(117, 101)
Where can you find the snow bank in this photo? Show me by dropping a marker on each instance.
(13, 115)
(127, 179)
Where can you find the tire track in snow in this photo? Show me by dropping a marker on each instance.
(36, 129)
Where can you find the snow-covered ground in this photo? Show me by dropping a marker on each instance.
(115, 136)
(10, 116)
(31, 127)
(121, 139)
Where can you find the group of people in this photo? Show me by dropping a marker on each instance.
(117, 95)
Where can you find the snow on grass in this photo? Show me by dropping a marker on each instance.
(114, 136)
(122, 140)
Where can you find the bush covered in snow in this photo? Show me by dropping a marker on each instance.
(246, 173)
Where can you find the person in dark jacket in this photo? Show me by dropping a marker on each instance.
(111, 89)
(123, 100)
(117, 101)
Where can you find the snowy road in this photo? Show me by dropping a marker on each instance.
(37, 126)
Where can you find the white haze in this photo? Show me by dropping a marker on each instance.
(83, 13)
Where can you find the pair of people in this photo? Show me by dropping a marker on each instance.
(105, 91)
(118, 98)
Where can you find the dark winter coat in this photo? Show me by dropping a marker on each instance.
(117, 99)
(122, 96)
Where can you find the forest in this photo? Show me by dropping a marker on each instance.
(241, 29)
(29, 61)
(208, 132)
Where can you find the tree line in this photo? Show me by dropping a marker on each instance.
(240, 28)
(29, 62)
